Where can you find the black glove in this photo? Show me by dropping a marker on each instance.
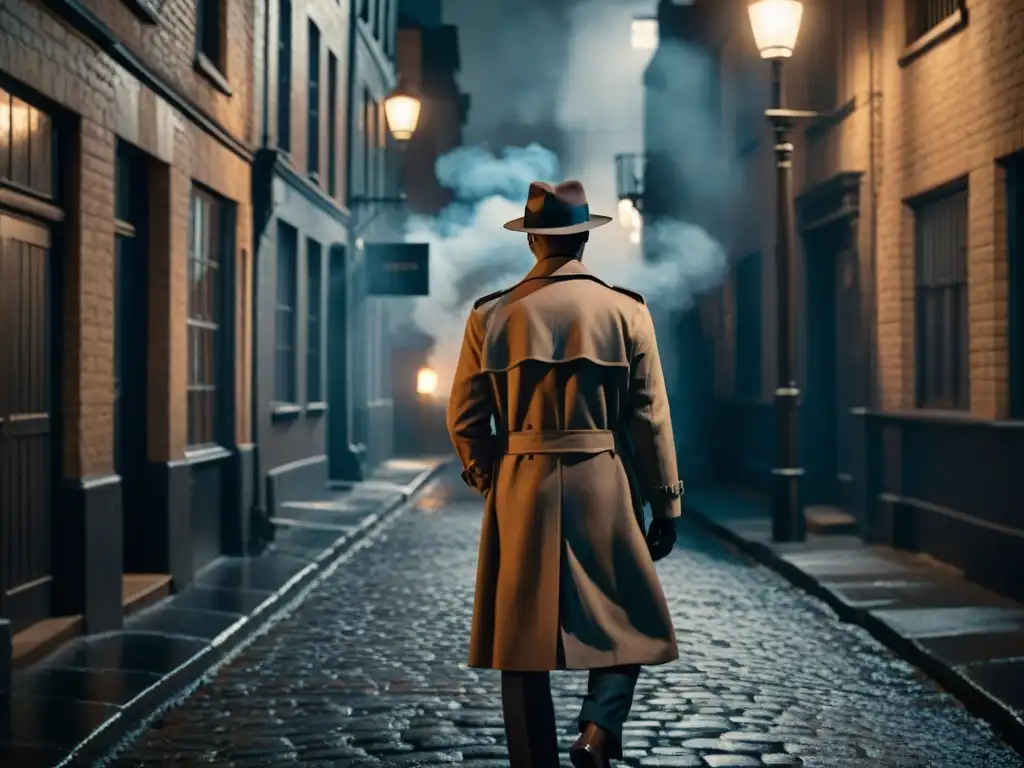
(661, 537)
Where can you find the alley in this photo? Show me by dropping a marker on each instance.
(370, 671)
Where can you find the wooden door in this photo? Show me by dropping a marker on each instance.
(25, 422)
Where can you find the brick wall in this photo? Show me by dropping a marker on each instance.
(951, 112)
(44, 54)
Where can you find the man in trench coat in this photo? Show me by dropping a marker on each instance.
(568, 367)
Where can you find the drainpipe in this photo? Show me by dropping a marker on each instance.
(261, 531)
(874, 385)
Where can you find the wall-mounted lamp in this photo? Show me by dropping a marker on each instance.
(644, 33)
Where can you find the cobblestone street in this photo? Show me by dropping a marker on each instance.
(370, 670)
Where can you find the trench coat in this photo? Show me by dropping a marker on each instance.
(568, 367)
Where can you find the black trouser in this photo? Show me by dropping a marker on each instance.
(530, 715)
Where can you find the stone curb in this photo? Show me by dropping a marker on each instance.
(138, 714)
(976, 699)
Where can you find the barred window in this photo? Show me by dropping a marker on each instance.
(941, 300)
(748, 326)
(924, 15)
(284, 314)
(205, 310)
(314, 323)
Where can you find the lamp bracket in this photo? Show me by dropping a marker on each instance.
(790, 116)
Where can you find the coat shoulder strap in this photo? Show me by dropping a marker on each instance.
(490, 297)
(632, 294)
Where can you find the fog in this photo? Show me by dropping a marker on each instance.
(556, 93)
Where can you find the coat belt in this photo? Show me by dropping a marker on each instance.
(563, 441)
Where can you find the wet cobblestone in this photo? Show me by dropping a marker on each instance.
(370, 671)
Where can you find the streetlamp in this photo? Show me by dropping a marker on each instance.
(402, 109)
(776, 24)
(629, 188)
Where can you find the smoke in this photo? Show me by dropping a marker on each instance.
(472, 254)
(595, 100)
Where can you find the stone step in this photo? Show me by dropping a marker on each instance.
(829, 521)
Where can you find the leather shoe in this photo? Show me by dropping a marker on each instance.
(591, 748)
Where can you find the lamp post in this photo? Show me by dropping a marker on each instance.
(775, 24)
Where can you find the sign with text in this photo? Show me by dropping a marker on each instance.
(398, 269)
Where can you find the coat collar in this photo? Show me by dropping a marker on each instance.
(559, 267)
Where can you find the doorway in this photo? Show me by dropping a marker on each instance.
(131, 350)
(1015, 250)
(26, 462)
(833, 364)
(338, 454)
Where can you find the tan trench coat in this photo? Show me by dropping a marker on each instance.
(569, 369)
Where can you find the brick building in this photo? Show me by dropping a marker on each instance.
(301, 221)
(908, 252)
(125, 235)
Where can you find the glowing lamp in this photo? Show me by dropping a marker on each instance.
(636, 220)
(626, 210)
(402, 109)
(644, 34)
(426, 381)
(776, 24)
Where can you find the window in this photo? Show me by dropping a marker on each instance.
(313, 143)
(332, 124)
(314, 323)
(284, 314)
(376, 18)
(941, 300)
(385, 30)
(27, 146)
(209, 28)
(748, 326)
(284, 76)
(367, 140)
(205, 310)
(364, 11)
(924, 15)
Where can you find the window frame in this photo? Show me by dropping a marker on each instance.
(315, 369)
(212, 63)
(332, 123)
(215, 238)
(313, 78)
(948, 345)
(286, 371)
(285, 31)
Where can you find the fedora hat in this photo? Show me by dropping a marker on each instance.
(560, 210)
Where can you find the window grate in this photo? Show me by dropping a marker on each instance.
(941, 301)
(925, 15)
